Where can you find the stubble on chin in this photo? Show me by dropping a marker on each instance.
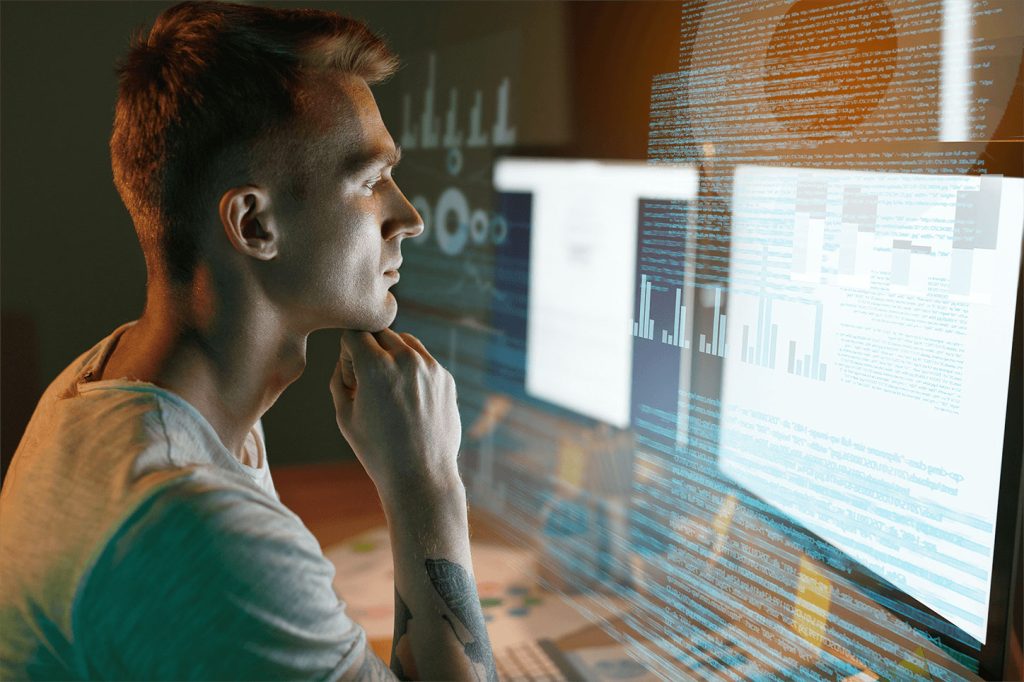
(382, 318)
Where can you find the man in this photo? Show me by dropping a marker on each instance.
(142, 537)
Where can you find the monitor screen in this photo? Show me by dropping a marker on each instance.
(583, 243)
(864, 385)
(728, 289)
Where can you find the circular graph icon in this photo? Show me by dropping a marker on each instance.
(499, 229)
(478, 225)
(452, 217)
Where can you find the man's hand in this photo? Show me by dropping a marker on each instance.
(395, 405)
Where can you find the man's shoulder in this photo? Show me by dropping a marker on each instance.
(83, 366)
(202, 535)
(202, 567)
(209, 501)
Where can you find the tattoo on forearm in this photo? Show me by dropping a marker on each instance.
(458, 591)
(402, 617)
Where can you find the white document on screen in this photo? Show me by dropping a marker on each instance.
(583, 233)
(867, 397)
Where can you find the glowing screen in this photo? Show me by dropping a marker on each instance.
(730, 306)
(582, 250)
(867, 350)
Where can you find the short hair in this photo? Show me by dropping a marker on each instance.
(200, 94)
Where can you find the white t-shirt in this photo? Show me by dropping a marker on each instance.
(134, 545)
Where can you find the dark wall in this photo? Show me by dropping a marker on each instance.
(70, 267)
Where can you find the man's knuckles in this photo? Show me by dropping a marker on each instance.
(407, 358)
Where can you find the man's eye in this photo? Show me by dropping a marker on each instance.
(372, 183)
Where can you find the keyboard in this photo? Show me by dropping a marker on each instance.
(534, 661)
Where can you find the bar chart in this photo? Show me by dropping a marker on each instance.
(762, 341)
(809, 229)
(760, 335)
(676, 338)
(857, 236)
(717, 344)
(643, 327)
(761, 351)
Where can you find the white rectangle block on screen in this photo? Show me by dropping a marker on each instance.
(583, 232)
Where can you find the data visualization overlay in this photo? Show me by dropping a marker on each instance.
(867, 395)
(582, 258)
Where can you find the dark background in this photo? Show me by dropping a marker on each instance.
(71, 269)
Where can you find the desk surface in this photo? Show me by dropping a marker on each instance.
(337, 501)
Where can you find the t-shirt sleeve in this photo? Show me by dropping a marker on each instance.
(204, 583)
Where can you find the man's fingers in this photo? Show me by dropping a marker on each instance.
(346, 371)
(342, 391)
(418, 346)
(397, 347)
(361, 348)
(390, 341)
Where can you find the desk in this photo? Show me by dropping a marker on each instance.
(337, 502)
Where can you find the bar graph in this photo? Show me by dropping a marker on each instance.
(676, 338)
(809, 229)
(761, 347)
(761, 340)
(643, 327)
(810, 366)
(760, 350)
(857, 230)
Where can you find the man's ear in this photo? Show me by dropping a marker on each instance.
(245, 215)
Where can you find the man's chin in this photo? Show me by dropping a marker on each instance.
(383, 320)
(369, 321)
(373, 329)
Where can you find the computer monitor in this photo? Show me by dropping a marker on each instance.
(584, 220)
(864, 385)
(810, 452)
(615, 344)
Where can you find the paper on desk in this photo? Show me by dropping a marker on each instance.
(514, 608)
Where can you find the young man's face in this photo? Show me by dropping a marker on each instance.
(341, 242)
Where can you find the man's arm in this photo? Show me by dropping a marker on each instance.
(396, 406)
(439, 626)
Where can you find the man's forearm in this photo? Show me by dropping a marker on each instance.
(439, 626)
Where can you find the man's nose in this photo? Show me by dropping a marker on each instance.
(405, 220)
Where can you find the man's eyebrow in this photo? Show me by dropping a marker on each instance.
(385, 158)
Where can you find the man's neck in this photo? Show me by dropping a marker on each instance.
(231, 365)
